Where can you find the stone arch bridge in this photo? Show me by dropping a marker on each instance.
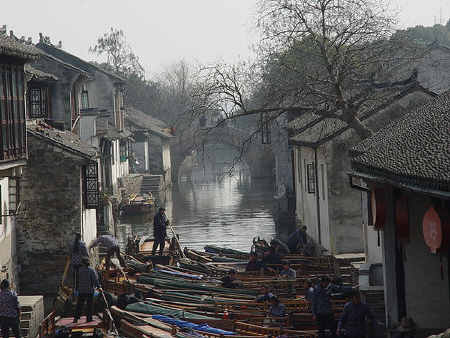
(257, 156)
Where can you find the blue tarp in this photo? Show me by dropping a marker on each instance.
(191, 326)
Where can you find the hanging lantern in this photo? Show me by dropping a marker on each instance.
(265, 129)
(378, 207)
(432, 229)
(402, 218)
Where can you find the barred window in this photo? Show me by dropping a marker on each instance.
(91, 186)
(38, 102)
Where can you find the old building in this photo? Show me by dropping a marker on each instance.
(59, 196)
(13, 147)
(325, 202)
(59, 188)
(92, 102)
(405, 167)
(152, 144)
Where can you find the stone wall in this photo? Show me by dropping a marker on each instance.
(51, 214)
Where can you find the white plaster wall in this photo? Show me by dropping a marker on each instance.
(5, 228)
(89, 224)
(166, 162)
(307, 202)
(374, 253)
(115, 166)
(88, 129)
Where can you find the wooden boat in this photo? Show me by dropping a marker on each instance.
(52, 323)
(136, 204)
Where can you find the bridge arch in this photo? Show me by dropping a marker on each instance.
(258, 157)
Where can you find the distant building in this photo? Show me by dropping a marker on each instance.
(13, 147)
(152, 144)
(405, 168)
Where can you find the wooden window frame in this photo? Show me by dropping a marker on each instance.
(43, 103)
(12, 113)
(84, 99)
(311, 177)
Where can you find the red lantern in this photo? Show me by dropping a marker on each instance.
(402, 218)
(432, 229)
(378, 204)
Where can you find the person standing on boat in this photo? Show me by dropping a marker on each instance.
(160, 223)
(79, 250)
(287, 271)
(9, 310)
(112, 247)
(266, 295)
(253, 264)
(276, 308)
(322, 309)
(88, 282)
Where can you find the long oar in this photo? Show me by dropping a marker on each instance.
(108, 311)
(176, 238)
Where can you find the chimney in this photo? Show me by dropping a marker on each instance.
(41, 37)
(11, 34)
(59, 44)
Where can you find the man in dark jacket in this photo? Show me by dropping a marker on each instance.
(160, 223)
(9, 310)
(88, 281)
(353, 319)
(322, 309)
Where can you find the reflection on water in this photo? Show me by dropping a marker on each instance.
(226, 213)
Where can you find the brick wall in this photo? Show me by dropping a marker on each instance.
(50, 192)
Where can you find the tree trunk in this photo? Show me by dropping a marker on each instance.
(356, 124)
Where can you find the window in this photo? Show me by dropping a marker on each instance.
(12, 113)
(38, 99)
(322, 171)
(84, 99)
(123, 151)
(91, 186)
(311, 178)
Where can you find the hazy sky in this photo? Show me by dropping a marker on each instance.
(162, 32)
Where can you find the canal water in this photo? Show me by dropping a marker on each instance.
(229, 212)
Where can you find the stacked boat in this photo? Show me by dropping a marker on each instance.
(187, 299)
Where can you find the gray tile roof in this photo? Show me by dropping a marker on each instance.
(37, 74)
(414, 150)
(63, 139)
(13, 47)
(138, 120)
(311, 128)
(76, 62)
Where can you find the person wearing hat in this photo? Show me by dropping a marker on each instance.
(322, 308)
(353, 319)
(87, 283)
(160, 223)
(230, 280)
(112, 247)
(78, 251)
(9, 310)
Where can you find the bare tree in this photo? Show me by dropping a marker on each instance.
(118, 53)
(333, 57)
